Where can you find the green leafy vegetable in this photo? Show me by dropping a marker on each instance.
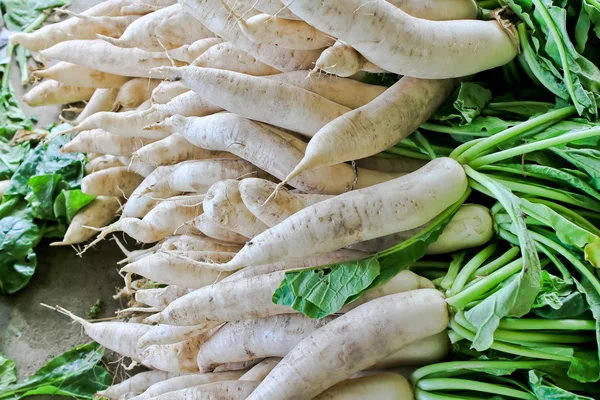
(11, 157)
(68, 203)
(465, 104)
(7, 372)
(96, 309)
(74, 374)
(18, 236)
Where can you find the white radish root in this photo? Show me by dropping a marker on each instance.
(143, 199)
(116, 182)
(77, 75)
(136, 384)
(51, 92)
(135, 91)
(260, 370)
(380, 386)
(188, 381)
(167, 90)
(160, 297)
(226, 390)
(188, 53)
(426, 351)
(129, 124)
(101, 100)
(226, 56)
(168, 334)
(218, 232)
(102, 142)
(102, 162)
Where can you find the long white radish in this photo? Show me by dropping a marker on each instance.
(198, 176)
(213, 15)
(167, 90)
(380, 386)
(162, 221)
(116, 181)
(169, 334)
(102, 142)
(175, 149)
(225, 390)
(228, 57)
(197, 243)
(138, 383)
(376, 126)
(257, 143)
(143, 199)
(241, 366)
(218, 232)
(260, 370)
(188, 53)
(188, 104)
(105, 57)
(77, 75)
(135, 91)
(341, 60)
(129, 123)
(426, 351)
(396, 164)
(84, 27)
(290, 34)
(102, 162)
(187, 381)
(354, 342)
(445, 10)
(285, 105)
(171, 269)
(127, 7)
(394, 206)
(255, 192)
(251, 298)
(176, 357)
(320, 259)
(223, 206)
(137, 166)
(256, 338)
(160, 297)
(271, 7)
(120, 337)
(100, 212)
(165, 29)
(400, 43)
(51, 92)
(101, 100)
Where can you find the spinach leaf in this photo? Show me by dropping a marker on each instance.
(74, 373)
(7, 372)
(543, 387)
(18, 236)
(19, 14)
(11, 157)
(68, 203)
(41, 195)
(465, 104)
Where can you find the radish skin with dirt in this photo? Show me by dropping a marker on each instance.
(116, 182)
(169, 334)
(187, 381)
(77, 75)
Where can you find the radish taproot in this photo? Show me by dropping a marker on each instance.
(101, 100)
(175, 357)
(228, 57)
(102, 142)
(218, 232)
(128, 123)
(160, 297)
(260, 370)
(188, 53)
(226, 390)
(143, 199)
(138, 383)
(353, 342)
(51, 92)
(167, 90)
(169, 334)
(187, 381)
(380, 386)
(103, 162)
(77, 75)
(115, 181)
(135, 91)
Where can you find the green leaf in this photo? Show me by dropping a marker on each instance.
(587, 160)
(20, 13)
(12, 117)
(7, 372)
(11, 157)
(523, 108)
(74, 373)
(41, 195)
(69, 202)
(558, 299)
(466, 104)
(18, 236)
(543, 387)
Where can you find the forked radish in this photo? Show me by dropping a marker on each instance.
(394, 206)
(102, 142)
(288, 106)
(167, 90)
(143, 199)
(251, 298)
(255, 192)
(218, 232)
(165, 29)
(257, 142)
(135, 91)
(169, 334)
(116, 181)
(160, 297)
(353, 342)
(105, 57)
(101, 100)
(100, 212)
(84, 27)
(228, 57)
(187, 381)
(138, 383)
(176, 269)
(175, 149)
(226, 390)
(394, 41)
(77, 75)
(102, 162)
(213, 15)
(188, 53)
(380, 386)
(162, 221)
(176, 357)
(378, 125)
(223, 206)
(51, 92)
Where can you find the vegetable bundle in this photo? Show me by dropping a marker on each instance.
(315, 230)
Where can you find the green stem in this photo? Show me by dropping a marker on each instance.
(453, 270)
(429, 126)
(460, 300)
(421, 394)
(430, 264)
(469, 269)
(493, 141)
(510, 348)
(502, 105)
(464, 147)
(10, 49)
(531, 147)
(465, 384)
(498, 262)
(407, 153)
(530, 324)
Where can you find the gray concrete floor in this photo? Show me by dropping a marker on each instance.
(31, 334)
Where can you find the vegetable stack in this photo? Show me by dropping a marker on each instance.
(319, 221)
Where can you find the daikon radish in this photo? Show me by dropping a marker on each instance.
(218, 232)
(100, 141)
(167, 90)
(77, 75)
(228, 57)
(169, 334)
(161, 297)
(51, 92)
(135, 91)
(116, 181)
(101, 100)
(188, 53)
(143, 199)
(188, 381)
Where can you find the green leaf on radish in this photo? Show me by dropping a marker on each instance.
(7, 372)
(74, 373)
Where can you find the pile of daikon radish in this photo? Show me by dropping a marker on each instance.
(197, 164)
